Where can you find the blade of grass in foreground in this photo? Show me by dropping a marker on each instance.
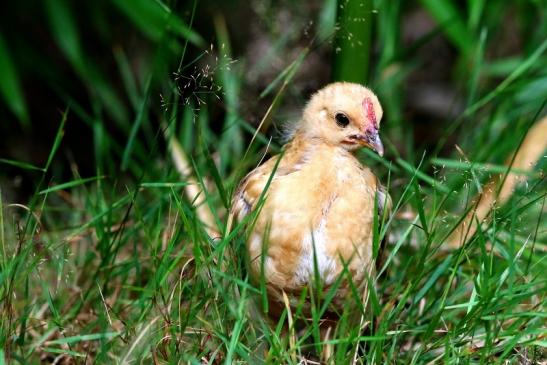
(21, 165)
(422, 176)
(79, 338)
(478, 166)
(163, 184)
(70, 184)
(57, 142)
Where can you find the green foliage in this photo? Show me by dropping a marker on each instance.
(452, 23)
(353, 41)
(10, 87)
(115, 265)
(154, 19)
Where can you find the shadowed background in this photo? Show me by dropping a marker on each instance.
(429, 60)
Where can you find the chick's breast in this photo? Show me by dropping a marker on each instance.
(317, 214)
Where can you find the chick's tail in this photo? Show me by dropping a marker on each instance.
(498, 190)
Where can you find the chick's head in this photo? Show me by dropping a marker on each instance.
(344, 114)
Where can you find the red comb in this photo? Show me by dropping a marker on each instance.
(369, 110)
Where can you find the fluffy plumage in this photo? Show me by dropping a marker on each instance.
(318, 208)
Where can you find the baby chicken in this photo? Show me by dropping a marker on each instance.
(316, 201)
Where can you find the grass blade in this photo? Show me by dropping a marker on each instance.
(519, 71)
(153, 18)
(136, 125)
(21, 165)
(57, 142)
(80, 338)
(10, 87)
(353, 41)
(70, 184)
(446, 13)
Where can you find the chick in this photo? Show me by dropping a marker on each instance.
(316, 201)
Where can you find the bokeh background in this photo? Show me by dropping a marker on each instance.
(99, 60)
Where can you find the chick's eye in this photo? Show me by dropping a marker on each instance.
(341, 120)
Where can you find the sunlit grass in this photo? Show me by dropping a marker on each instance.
(117, 266)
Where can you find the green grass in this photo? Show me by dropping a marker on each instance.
(115, 266)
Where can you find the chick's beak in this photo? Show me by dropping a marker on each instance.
(372, 140)
(376, 144)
